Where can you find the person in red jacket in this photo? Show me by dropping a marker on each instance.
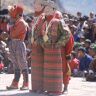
(66, 51)
(17, 47)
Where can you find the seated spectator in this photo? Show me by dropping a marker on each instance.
(77, 45)
(87, 32)
(1, 65)
(92, 51)
(85, 60)
(82, 39)
(87, 45)
(74, 64)
(91, 74)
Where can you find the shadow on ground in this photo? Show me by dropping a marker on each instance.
(20, 94)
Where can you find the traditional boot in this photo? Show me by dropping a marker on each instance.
(65, 89)
(25, 80)
(14, 85)
(24, 87)
(15, 81)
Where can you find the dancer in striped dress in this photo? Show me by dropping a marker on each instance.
(37, 50)
(54, 37)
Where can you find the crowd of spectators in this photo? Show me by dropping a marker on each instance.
(83, 29)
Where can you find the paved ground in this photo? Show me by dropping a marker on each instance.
(77, 87)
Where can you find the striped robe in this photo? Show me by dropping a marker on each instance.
(37, 57)
(53, 74)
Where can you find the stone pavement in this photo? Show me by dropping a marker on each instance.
(77, 87)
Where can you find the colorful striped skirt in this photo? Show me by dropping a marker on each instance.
(37, 68)
(53, 75)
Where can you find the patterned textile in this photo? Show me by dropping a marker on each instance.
(54, 71)
(17, 50)
(37, 68)
(37, 34)
(37, 56)
(53, 75)
(57, 32)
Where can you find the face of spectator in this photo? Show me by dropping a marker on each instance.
(79, 14)
(92, 53)
(91, 15)
(72, 29)
(80, 54)
(82, 39)
(85, 30)
(87, 45)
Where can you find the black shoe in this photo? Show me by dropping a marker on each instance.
(24, 88)
(11, 87)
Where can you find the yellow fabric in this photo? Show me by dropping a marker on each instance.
(69, 69)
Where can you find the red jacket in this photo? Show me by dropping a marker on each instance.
(18, 31)
(1, 66)
(74, 64)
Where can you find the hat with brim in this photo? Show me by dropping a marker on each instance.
(88, 41)
(93, 47)
(82, 49)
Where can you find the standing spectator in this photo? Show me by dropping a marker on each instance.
(17, 47)
(4, 27)
(91, 16)
(79, 31)
(79, 15)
